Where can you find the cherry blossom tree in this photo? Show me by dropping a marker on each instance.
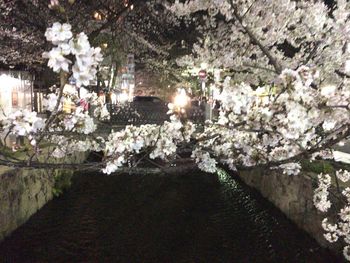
(299, 51)
(258, 39)
(277, 108)
(132, 26)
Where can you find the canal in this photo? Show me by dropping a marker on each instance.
(189, 218)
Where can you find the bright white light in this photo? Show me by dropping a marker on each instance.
(7, 80)
(181, 99)
(204, 65)
(123, 97)
(113, 98)
(97, 15)
(131, 91)
(70, 90)
(14, 94)
(83, 92)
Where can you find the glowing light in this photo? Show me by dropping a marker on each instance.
(181, 99)
(14, 94)
(83, 92)
(97, 15)
(131, 7)
(7, 80)
(123, 97)
(131, 91)
(204, 65)
(113, 98)
(68, 104)
(70, 90)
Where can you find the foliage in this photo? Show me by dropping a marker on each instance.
(63, 181)
(317, 166)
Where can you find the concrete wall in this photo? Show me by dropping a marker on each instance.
(293, 195)
(22, 193)
(25, 191)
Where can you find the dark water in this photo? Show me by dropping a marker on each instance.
(187, 218)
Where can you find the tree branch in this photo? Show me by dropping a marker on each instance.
(53, 116)
(273, 60)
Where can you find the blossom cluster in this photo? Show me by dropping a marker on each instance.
(343, 175)
(77, 119)
(342, 226)
(67, 146)
(290, 168)
(50, 101)
(86, 57)
(274, 124)
(23, 123)
(320, 199)
(204, 161)
(294, 32)
(153, 140)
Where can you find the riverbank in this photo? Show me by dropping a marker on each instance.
(24, 191)
(293, 196)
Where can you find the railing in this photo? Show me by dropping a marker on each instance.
(147, 113)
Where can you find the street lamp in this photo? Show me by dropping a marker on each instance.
(180, 101)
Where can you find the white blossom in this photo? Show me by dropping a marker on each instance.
(291, 168)
(57, 61)
(205, 162)
(343, 175)
(321, 193)
(346, 252)
(59, 33)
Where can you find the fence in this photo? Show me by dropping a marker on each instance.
(147, 113)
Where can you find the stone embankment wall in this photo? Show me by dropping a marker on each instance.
(24, 191)
(293, 195)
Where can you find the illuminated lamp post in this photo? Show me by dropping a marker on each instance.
(113, 98)
(179, 103)
(123, 97)
(202, 74)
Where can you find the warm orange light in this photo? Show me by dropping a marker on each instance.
(181, 99)
(97, 15)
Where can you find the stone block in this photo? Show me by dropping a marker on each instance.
(293, 196)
